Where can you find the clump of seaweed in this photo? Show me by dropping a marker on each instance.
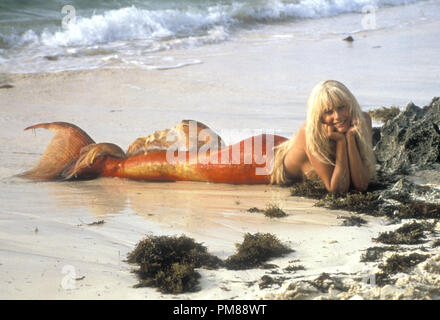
(178, 278)
(409, 233)
(168, 263)
(309, 188)
(382, 279)
(294, 268)
(96, 223)
(254, 250)
(384, 114)
(376, 253)
(402, 263)
(436, 244)
(272, 211)
(373, 204)
(325, 281)
(354, 201)
(352, 221)
(396, 264)
(267, 281)
(418, 210)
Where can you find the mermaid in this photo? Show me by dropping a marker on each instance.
(334, 144)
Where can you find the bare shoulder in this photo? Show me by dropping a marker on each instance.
(296, 157)
(301, 136)
(302, 129)
(297, 148)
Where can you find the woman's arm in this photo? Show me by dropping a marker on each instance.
(360, 175)
(336, 178)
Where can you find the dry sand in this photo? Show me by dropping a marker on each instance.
(48, 250)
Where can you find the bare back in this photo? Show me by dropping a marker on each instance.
(296, 161)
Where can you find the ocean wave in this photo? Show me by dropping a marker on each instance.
(133, 35)
(133, 23)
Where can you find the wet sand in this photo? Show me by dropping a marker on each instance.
(46, 244)
(48, 250)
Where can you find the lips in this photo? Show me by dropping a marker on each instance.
(340, 124)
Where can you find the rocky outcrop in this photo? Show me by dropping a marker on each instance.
(411, 140)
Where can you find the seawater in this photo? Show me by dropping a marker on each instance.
(57, 35)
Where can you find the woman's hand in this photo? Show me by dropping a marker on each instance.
(333, 134)
(336, 177)
(360, 175)
(353, 129)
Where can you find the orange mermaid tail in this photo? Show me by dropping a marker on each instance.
(72, 154)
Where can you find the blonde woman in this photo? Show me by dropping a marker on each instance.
(335, 143)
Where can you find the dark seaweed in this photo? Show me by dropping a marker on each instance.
(168, 262)
(310, 188)
(409, 233)
(255, 250)
(294, 268)
(384, 114)
(267, 281)
(325, 281)
(376, 253)
(402, 263)
(418, 210)
(436, 244)
(367, 202)
(271, 211)
(274, 211)
(352, 221)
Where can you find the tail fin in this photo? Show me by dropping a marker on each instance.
(62, 152)
(83, 167)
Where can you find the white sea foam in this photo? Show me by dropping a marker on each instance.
(129, 24)
(132, 23)
(114, 36)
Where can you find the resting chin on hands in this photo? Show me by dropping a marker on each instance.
(333, 134)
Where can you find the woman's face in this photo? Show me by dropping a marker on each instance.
(338, 117)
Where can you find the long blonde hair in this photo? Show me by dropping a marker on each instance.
(327, 95)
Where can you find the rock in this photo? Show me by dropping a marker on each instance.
(411, 140)
(404, 190)
(51, 58)
(390, 292)
(376, 135)
(300, 290)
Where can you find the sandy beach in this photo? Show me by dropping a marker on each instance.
(258, 82)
